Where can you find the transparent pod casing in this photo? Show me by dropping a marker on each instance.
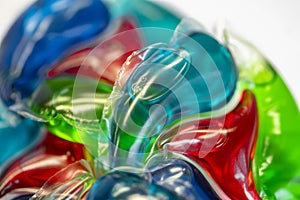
(192, 74)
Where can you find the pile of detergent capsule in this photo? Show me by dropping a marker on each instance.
(127, 100)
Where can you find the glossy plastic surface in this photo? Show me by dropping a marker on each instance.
(42, 34)
(225, 150)
(71, 182)
(59, 102)
(104, 60)
(176, 175)
(167, 82)
(165, 121)
(276, 164)
(154, 20)
(182, 178)
(125, 185)
(32, 169)
(16, 134)
(68, 105)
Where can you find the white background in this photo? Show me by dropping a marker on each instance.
(273, 26)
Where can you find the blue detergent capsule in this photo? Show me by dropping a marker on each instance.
(119, 185)
(15, 134)
(182, 178)
(44, 33)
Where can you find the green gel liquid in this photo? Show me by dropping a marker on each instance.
(276, 163)
(71, 107)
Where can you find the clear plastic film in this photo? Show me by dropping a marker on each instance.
(192, 74)
(72, 182)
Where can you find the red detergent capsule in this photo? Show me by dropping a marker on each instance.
(104, 60)
(31, 170)
(223, 147)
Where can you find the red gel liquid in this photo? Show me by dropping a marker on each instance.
(224, 147)
(31, 170)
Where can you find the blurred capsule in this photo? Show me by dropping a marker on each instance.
(41, 35)
(33, 168)
(125, 185)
